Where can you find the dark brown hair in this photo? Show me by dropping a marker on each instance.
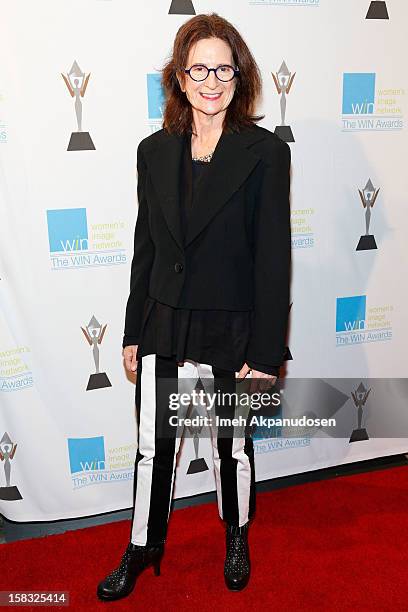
(178, 116)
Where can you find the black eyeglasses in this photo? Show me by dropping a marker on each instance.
(199, 72)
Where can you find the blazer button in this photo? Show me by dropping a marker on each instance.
(178, 267)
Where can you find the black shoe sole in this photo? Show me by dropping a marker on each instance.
(238, 587)
(114, 597)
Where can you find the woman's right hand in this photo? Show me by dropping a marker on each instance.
(130, 355)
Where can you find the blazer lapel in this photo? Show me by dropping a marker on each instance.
(164, 163)
(230, 165)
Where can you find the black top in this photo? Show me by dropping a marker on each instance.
(216, 337)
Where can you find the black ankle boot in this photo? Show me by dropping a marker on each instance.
(122, 580)
(237, 565)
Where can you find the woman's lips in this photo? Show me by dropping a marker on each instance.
(209, 97)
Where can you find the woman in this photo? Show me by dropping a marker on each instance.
(209, 289)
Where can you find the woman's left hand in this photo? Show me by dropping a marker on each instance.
(260, 380)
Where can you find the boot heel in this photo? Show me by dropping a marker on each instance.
(156, 567)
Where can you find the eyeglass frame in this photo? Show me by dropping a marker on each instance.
(236, 72)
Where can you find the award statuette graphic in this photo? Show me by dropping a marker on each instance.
(7, 452)
(359, 397)
(368, 197)
(197, 464)
(283, 81)
(77, 82)
(94, 333)
(377, 10)
(181, 7)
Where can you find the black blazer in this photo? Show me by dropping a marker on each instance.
(236, 253)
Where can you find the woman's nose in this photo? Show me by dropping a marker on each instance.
(212, 80)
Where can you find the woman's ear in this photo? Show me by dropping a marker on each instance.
(180, 79)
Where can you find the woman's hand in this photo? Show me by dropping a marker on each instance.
(130, 355)
(260, 382)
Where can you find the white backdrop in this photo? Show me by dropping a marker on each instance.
(67, 451)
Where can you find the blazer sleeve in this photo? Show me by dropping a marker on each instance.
(262, 367)
(143, 254)
(272, 257)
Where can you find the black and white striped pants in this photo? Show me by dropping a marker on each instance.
(156, 454)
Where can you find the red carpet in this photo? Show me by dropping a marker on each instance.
(338, 544)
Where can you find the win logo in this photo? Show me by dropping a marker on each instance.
(67, 230)
(268, 432)
(155, 96)
(86, 454)
(358, 93)
(351, 313)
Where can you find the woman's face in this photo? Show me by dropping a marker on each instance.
(212, 95)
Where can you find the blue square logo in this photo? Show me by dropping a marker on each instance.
(351, 313)
(86, 454)
(358, 93)
(67, 230)
(265, 432)
(155, 96)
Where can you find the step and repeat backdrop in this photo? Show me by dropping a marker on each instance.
(79, 88)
